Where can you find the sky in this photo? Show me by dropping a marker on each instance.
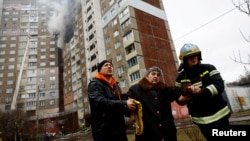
(215, 26)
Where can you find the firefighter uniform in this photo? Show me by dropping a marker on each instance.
(208, 109)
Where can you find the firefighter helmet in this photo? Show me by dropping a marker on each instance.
(188, 50)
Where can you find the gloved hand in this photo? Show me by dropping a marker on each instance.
(185, 89)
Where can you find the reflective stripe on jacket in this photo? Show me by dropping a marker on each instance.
(210, 119)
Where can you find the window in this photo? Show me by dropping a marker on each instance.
(11, 66)
(119, 57)
(14, 31)
(53, 94)
(2, 45)
(52, 86)
(42, 78)
(111, 2)
(120, 70)
(52, 56)
(52, 78)
(31, 103)
(3, 38)
(42, 64)
(31, 79)
(109, 50)
(6, 13)
(5, 31)
(112, 11)
(12, 45)
(52, 42)
(9, 82)
(10, 74)
(125, 24)
(42, 56)
(52, 70)
(107, 40)
(134, 76)
(114, 22)
(12, 52)
(32, 95)
(42, 94)
(31, 71)
(124, 12)
(52, 102)
(122, 83)
(30, 64)
(42, 86)
(128, 36)
(43, 50)
(52, 63)
(8, 99)
(115, 33)
(42, 103)
(43, 30)
(52, 49)
(9, 90)
(12, 38)
(14, 19)
(117, 44)
(133, 61)
(11, 59)
(43, 43)
(42, 71)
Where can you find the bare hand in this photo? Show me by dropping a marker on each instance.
(131, 105)
(195, 89)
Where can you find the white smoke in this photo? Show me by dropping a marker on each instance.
(60, 18)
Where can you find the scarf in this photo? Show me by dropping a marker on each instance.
(137, 118)
(112, 84)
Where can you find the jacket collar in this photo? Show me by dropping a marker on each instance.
(102, 77)
(147, 86)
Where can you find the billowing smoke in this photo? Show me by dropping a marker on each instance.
(61, 19)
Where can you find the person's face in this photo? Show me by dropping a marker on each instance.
(107, 69)
(153, 77)
(192, 60)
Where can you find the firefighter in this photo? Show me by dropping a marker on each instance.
(201, 88)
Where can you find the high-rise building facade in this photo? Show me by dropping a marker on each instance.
(30, 61)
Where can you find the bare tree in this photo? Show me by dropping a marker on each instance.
(14, 125)
(244, 7)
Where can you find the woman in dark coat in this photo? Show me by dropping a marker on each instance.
(155, 98)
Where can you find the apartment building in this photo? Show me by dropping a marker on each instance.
(136, 37)
(30, 61)
(133, 34)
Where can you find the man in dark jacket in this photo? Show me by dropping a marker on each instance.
(203, 92)
(155, 98)
(107, 106)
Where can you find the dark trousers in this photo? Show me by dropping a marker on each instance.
(206, 129)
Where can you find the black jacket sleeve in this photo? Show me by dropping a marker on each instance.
(101, 95)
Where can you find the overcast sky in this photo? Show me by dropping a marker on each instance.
(215, 27)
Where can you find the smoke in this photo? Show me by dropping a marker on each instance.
(61, 19)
